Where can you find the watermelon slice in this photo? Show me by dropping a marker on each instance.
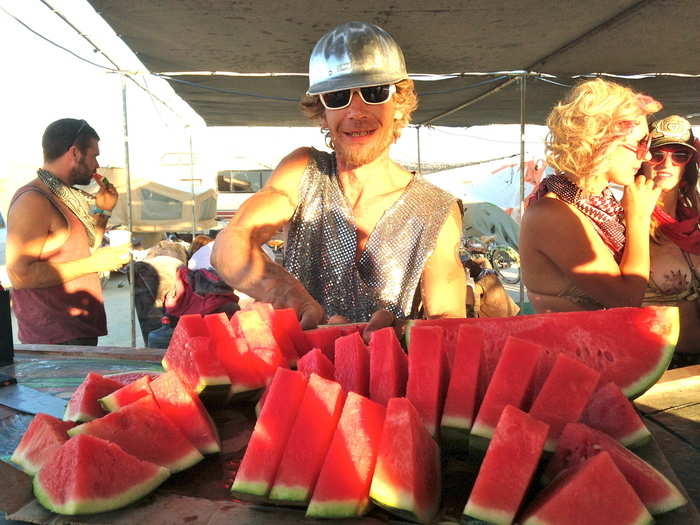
(249, 325)
(141, 429)
(316, 362)
(83, 404)
(428, 375)
(286, 319)
(611, 412)
(270, 435)
(342, 489)
(407, 476)
(192, 355)
(599, 493)
(186, 411)
(564, 396)
(308, 441)
(324, 339)
(579, 442)
(629, 346)
(126, 394)
(89, 475)
(499, 488)
(388, 366)
(129, 377)
(40, 442)
(460, 402)
(508, 386)
(279, 330)
(352, 364)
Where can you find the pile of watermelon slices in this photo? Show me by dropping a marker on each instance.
(383, 419)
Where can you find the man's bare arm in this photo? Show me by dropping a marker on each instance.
(444, 285)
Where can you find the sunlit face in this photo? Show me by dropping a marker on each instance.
(86, 164)
(623, 163)
(668, 170)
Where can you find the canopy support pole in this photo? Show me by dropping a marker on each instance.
(420, 166)
(132, 288)
(523, 80)
(194, 215)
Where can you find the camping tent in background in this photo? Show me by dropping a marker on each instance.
(484, 218)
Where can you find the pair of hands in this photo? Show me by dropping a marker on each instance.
(640, 197)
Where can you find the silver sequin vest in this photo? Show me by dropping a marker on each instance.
(322, 241)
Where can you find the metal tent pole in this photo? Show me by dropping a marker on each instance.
(523, 79)
(132, 309)
(194, 215)
(420, 167)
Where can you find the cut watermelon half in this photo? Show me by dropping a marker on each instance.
(428, 375)
(342, 489)
(43, 438)
(597, 490)
(564, 396)
(407, 477)
(186, 411)
(266, 445)
(84, 404)
(579, 442)
(629, 346)
(499, 487)
(126, 394)
(352, 364)
(388, 366)
(308, 441)
(89, 475)
(142, 430)
(611, 412)
(509, 386)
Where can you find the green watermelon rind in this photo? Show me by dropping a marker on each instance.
(487, 514)
(644, 519)
(397, 502)
(92, 506)
(636, 439)
(289, 495)
(454, 438)
(212, 390)
(335, 509)
(250, 488)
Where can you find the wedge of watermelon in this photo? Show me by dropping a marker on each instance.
(407, 476)
(342, 489)
(258, 335)
(308, 441)
(499, 487)
(509, 386)
(564, 396)
(279, 329)
(579, 442)
(611, 412)
(129, 377)
(316, 362)
(84, 404)
(388, 366)
(428, 375)
(42, 439)
(461, 402)
(629, 346)
(597, 490)
(186, 411)
(142, 430)
(324, 336)
(89, 475)
(286, 319)
(126, 394)
(352, 364)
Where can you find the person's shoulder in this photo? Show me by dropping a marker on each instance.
(434, 191)
(31, 198)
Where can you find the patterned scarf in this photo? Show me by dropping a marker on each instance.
(603, 210)
(682, 231)
(77, 201)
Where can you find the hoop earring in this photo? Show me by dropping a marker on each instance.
(327, 136)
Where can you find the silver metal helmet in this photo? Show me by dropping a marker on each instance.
(355, 55)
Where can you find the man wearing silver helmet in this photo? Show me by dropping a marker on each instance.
(363, 234)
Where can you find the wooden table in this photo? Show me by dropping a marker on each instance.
(671, 410)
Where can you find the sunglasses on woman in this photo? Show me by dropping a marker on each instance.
(370, 95)
(678, 158)
(642, 147)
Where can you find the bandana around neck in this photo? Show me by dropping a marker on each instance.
(77, 201)
(682, 231)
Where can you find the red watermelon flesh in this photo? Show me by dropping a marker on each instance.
(579, 442)
(143, 430)
(388, 366)
(126, 394)
(324, 339)
(461, 401)
(258, 335)
(509, 386)
(407, 477)
(84, 404)
(629, 346)
(499, 487)
(242, 366)
(564, 396)
(286, 320)
(428, 375)
(40, 442)
(270, 435)
(316, 362)
(129, 377)
(89, 475)
(186, 411)
(342, 489)
(597, 490)
(308, 441)
(352, 364)
(611, 412)
(279, 330)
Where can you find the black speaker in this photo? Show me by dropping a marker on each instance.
(7, 349)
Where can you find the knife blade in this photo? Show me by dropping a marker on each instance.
(30, 401)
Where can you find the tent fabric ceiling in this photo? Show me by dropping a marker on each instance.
(565, 38)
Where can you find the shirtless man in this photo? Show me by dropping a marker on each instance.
(53, 229)
(363, 234)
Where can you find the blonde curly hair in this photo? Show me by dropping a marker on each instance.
(595, 116)
(405, 100)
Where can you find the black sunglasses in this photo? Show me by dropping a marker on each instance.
(370, 95)
(677, 157)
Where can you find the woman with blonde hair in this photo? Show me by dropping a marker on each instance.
(580, 248)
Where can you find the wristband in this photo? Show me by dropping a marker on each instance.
(96, 210)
